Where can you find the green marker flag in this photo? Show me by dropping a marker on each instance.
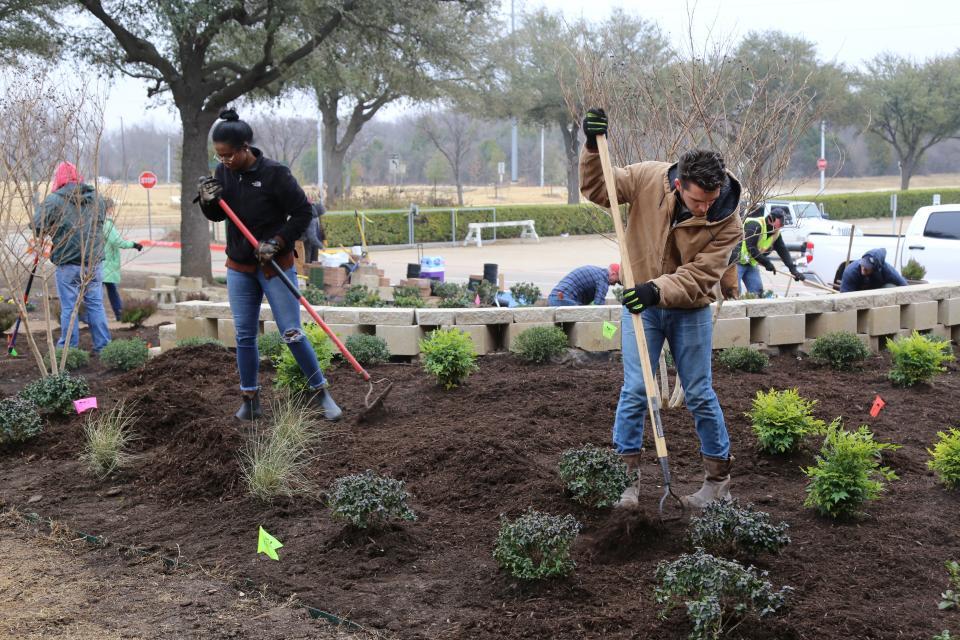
(609, 330)
(267, 544)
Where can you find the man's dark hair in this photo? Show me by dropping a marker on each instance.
(702, 167)
(779, 213)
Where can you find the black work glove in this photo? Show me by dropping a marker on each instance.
(594, 124)
(138, 246)
(210, 190)
(769, 266)
(799, 277)
(641, 297)
(267, 251)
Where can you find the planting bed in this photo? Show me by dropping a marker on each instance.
(490, 448)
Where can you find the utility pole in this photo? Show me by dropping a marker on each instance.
(320, 152)
(513, 130)
(169, 181)
(823, 154)
(541, 156)
(123, 153)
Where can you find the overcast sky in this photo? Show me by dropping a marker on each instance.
(848, 31)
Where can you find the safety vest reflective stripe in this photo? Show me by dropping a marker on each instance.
(764, 242)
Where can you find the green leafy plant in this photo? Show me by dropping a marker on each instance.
(314, 295)
(359, 295)
(743, 359)
(449, 356)
(840, 350)
(19, 420)
(196, 341)
(408, 297)
(917, 359)
(488, 293)
(945, 458)
(125, 354)
(717, 593)
(724, 527)
(913, 270)
(848, 472)
(781, 419)
(76, 358)
(137, 310)
(525, 293)
(447, 289)
(270, 345)
(107, 436)
(289, 375)
(367, 349)
(369, 500)
(540, 344)
(950, 599)
(55, 394)
(594, 476)
(943, 635)
(536, 545)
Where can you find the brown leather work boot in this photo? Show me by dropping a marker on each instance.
(630, 495)
(716, 483)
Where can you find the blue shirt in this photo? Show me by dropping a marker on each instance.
(585, 285)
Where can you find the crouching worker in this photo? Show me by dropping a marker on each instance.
(681, 230)
(267, 199)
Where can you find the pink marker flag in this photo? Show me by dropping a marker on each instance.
(85, 404)
(476, 300)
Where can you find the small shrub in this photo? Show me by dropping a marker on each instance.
(196, 341)
(525, 293)
(125, 354)
(289, 375)
(408, 297)
(487, 291)
(727, 528)
(536, 545)
(107, 436)
(449, 356)
(840, 350)
(359, 295)
(314, 295)
(716, 593)
(781, 419)
(368, 350)
(76, 358)
(270, 345)
(457, 302)
(913, 270)
(196, 296)
(945, 458)
(8, 316)
(539, 344)
(369, 500)
(848, 472)
(943, 635)
(19, 420)
(950, 599)
(136, 311)
(55, 394)
(743, 359)
(594, 476)
(917, 359)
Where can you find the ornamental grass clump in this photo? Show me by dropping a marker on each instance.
(196, 341)
(55, 394)
(125, 355)
(107, 436)
(136, 311)
(369, 500)
(367, 349)
(536, 545)
(19, 421)
(408, 297)
(848, 472)
(76, 358)
(945, 458)
(743, 359)
(359, 295)
(449, 356)
(840, 350)
(594, 476)
(781, 419)
(289, 375)
(727, 529)
(718, 594)
(540, 344)
(917, 358)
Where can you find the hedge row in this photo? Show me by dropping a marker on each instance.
(876, 204)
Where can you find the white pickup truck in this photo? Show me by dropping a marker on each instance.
(932, 239)
(804, 219)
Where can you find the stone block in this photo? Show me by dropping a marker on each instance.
(855, 300)
(153, 352)
(483, 336)
(955, 332)
(871, 342)
(513, 331)
(731, 332)
(436, 317)
(190, 309)
(186, 283)
(589, 336)
(401, 340)
(485, 316)
(539, 314)
(155, 282)
(591, 313)
(769, 307)
(268, 326)
(196, 327)
(949, 312)
(168, 336)
(226, 332)
(386, 293)
(815, 304)
(779, 330)
(923, 292)
(216, 310)
(371, 282)
(820, 324)
(386, 316)
(886, 297)
(879, 321)
(729, 309)
(341, 315)
(266, 313)
(919, 315)
(344, 331)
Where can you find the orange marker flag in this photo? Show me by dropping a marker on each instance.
(878, 404)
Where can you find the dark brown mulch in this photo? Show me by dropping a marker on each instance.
(490, 448)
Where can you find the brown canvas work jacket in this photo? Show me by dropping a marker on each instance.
(684, 259)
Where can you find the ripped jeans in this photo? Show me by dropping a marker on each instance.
(246, 291)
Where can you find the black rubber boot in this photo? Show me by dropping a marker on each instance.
(323, 401)
(250, 409)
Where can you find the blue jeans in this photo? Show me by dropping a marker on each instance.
(113, 294)
(689, 332)
(69, 278)
(246, 291)
(751, 278)
(554, 301)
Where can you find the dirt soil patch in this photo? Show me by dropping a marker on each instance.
(491, 448)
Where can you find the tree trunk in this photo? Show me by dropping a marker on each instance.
(907, 167)
(332, 157)
(194, 228)
(571, 149)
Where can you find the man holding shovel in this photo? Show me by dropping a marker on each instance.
(681, 230)
(761, 235)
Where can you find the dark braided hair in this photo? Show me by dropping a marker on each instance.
(232, 130)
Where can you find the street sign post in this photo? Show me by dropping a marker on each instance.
(148, 180)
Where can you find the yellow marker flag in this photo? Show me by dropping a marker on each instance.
(609, 330)
(267, 544)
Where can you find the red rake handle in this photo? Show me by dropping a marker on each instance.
(296, 292)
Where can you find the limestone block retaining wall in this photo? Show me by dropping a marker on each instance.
(782, 323)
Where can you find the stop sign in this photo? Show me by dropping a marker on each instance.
(148, 179)
(821, 164)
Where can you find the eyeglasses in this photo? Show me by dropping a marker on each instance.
(226, 157)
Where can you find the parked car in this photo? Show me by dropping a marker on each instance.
(804, 219)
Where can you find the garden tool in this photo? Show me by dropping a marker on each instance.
(11, 343)
(371, 401)
(815, 285)
(360, 219)
(649, 380)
